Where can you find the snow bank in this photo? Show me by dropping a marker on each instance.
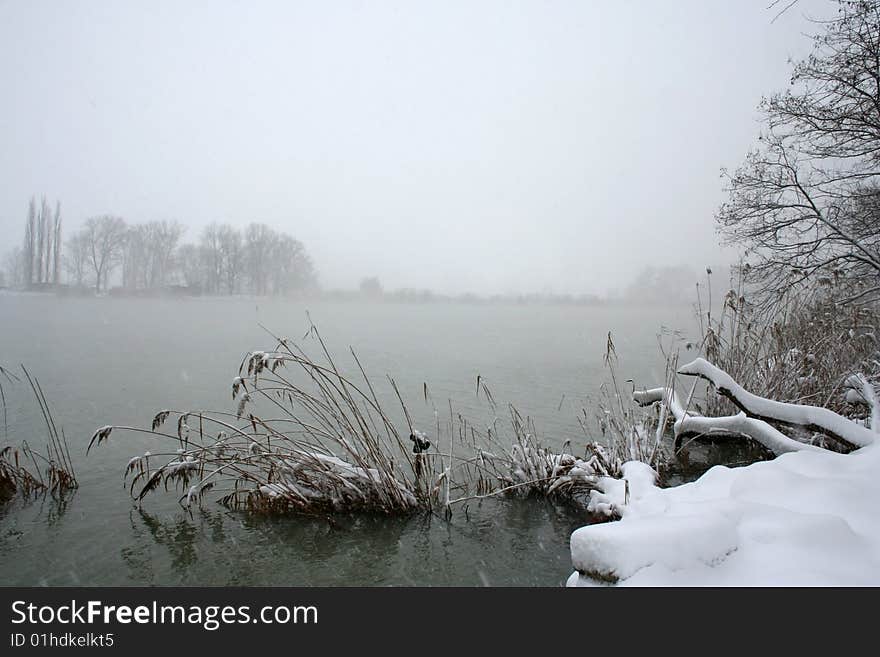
(807, 518)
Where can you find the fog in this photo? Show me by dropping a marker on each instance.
(490, 147)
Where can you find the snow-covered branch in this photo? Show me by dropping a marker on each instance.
(667, 396)
(810, 417)
(688, 423)
(740, 424)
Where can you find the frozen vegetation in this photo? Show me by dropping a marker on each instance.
(808, 517)
(308, 439)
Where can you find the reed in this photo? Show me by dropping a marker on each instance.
(307, 438)
(27, 471)
(806, 349)
(632, 433)
(816, 354)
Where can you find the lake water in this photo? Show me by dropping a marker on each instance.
(118, 361)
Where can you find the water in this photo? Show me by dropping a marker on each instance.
(118, 361)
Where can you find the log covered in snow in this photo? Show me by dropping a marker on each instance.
(752, 421)
(813, 418)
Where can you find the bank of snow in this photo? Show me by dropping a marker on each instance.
(804, 518)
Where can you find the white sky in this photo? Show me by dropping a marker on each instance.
(462, 146)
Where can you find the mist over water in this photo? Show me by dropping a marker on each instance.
(492, 149)
(458, 191)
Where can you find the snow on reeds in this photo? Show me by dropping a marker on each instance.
(807, 349)
(798, 375)
(308, 438)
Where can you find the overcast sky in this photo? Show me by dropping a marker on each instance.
(462, 146)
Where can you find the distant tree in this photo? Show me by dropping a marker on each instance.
(292, 269)
(148, 256)
(261, 261)
(134, 258)
(232, 257)
(30, 244)
(663, 285)
(211, 252)
(804, 204)
(56, 245)
(105, 240)
(42, 243)
(371, 287)
(259, 243)
(76, 259)
(162, 238)
(190, 263)
(14, 264)
(42, 225)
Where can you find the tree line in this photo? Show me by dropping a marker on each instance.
(151, 256)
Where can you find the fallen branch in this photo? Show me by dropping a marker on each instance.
(741, 425)
(688, 423)
(666, 396)
(813, 418)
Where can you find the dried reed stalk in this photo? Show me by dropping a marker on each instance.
(329, 446)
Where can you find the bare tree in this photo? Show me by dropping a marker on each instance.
(76, 258)
(15, 268)
(56, 242)
(190, 264)
(134, 258)
(211, 253)
(292, 269)
(30, 244)
(105, 239)
(232, 253)
(162, 238)
(42, 244)
(804, 201)
(370, 286)
(148, 256)
(259, 241)
(42, 226)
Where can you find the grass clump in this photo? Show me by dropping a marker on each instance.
(308, 438)
(27, 471)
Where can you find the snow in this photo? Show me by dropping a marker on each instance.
(785, 412)
(638, 480)
(773, 439)
(181, 466)
(666, 395)
(861, 391)
(691, 423)
(806, 518)
(325, 473)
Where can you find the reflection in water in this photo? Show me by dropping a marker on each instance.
(56, 506)
(178, 537)
(487, 546)
(45, 507)
(50, 507)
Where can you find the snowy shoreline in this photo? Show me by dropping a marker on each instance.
(803, 519)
